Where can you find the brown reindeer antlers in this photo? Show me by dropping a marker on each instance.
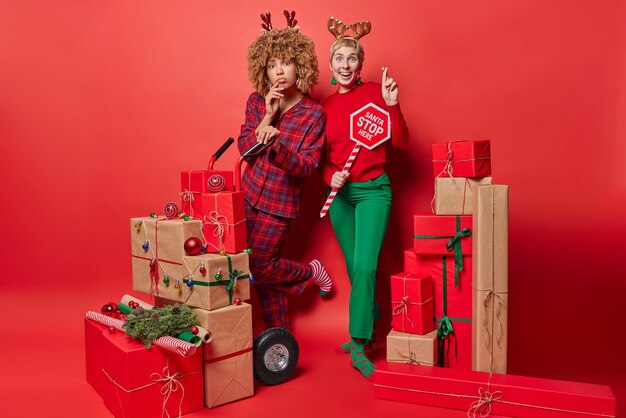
(267, 21)
(291, 18)
(339, 29)
(336, 27)
(360, 29)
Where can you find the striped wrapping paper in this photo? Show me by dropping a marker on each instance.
(168, 343)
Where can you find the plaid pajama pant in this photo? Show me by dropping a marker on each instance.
(274, 277)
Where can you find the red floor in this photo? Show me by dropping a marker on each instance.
(43, 373)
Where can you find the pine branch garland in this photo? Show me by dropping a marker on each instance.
(147, 325)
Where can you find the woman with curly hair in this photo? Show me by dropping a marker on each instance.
(289, 125)
(360, 210)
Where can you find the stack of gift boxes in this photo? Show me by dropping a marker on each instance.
(195, 255)
(450, 306)
(453, 283)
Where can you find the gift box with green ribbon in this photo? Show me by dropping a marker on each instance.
(213, 281)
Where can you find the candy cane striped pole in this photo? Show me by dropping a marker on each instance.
(346, 169)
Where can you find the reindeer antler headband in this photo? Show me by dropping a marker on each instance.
(266, 17)
(338, 29)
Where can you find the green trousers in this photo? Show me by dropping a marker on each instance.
(359, 215)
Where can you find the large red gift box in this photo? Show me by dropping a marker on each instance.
(462, 159)
(223, 218)
(483, 394)
(412, 303)
(432, 234)
(206, 181)
(136, 382)
(453, 308)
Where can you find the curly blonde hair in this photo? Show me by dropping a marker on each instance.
(283, 43)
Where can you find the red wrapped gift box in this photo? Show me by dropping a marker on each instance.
(462, 159)
(483, 394)
(223, 217)
(453, 308)
(412, 303)
(432, 233)
(134, 382)
(206, 181)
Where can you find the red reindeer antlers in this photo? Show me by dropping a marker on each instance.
(291, 18)
(267, 21)
(339, 29)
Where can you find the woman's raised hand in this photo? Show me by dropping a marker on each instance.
(272, 100)
(389, 89)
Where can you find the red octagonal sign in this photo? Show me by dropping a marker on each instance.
(370, 126)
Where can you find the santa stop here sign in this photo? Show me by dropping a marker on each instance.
(370, 126)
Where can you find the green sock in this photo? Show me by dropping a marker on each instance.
(358, 358)
(345, 347)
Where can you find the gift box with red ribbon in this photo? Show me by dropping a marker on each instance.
(206, 181)
(462, 159)
(412, 303)
(228, 355)
(484, 394)
(136, 382)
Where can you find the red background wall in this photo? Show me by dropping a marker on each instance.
(102, 104)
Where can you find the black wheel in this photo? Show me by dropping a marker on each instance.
(276, 355)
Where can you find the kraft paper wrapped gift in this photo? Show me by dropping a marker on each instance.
(139, 383)
(483, 394)
(455, 195)
(206, 181)
(223, 217)
(226, 278)
(185, 282)
(462, 159)
(412, 303)
(162, 238)
(411, 348)
(228, 355)
(490, 274)
(152, 276)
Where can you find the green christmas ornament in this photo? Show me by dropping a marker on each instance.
(153, 215)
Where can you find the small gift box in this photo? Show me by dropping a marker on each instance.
(490, 274)
(206, 181)
(483, 394)
(228, 355)
(412, 303)
(135, 382)
(462, 159)
(411, 348)
(223, 218)
(455, 195)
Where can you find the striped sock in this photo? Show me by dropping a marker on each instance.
(320, 277)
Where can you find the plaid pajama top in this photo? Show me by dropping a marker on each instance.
(273, 182)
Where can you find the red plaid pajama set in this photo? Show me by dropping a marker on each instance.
(273, 184)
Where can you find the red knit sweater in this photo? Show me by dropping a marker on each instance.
(369, 164)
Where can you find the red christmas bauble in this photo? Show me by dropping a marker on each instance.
(237, 301)
(109, 308)
(195, 330)
(193, 246)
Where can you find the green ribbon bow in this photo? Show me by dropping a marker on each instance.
(455, 244)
